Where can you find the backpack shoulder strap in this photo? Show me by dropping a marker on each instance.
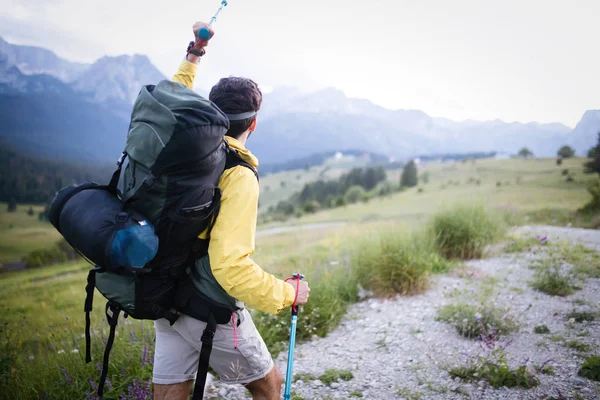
(234, 160)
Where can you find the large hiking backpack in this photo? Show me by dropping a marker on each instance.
(176, 154)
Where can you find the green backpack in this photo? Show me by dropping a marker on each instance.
(177, 153)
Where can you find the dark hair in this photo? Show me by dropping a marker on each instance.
(236, 95)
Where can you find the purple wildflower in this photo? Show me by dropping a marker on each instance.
(92, 384)
(67, 376)
(544, 239)
(122, 397)
(108, 384)
(99, 366)
(144, 354)
(130, 390)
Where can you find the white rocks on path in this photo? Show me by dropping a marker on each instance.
(397, 350)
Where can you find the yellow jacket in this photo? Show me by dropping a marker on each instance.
(232, 237)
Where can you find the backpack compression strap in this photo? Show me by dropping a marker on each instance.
(112, 321)
(207, 342)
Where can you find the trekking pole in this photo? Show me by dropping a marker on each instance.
(204, 33)
(290, 361)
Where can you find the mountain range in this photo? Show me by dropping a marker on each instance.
(57, 108)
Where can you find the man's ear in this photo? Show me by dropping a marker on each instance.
(253, 125)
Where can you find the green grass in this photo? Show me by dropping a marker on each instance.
(585, 261)
(497, 375)
(542, 187)
(41, 310)
(464, 232)
(578, 346)
(590, 369)
(304, 377)
(391, 262)
(469, 318)
(21, 233)
(582, 316)
(550, 279)
(523, 245)
(541, 329)
(334, 375)
(409, 394)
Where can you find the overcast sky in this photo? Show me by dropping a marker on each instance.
(517, 60)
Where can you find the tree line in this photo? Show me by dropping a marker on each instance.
(29, 179)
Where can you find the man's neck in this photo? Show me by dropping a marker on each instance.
(243, 138)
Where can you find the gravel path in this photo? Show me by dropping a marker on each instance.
(397, 350)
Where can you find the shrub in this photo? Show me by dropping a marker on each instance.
(409, 176)
(392, 264)
(464, 232)
(59, 253)
(12, 205)
(334, 375)
(340, 201)
(497, 374)
(354, 194)
(551, 280)
(593, 205)
(582, 316)
(30, 212)
(470, 320)
(578, 346)
(311, 207)
(591, 368)
(285, 208)
(498, 184)
(420, 190)
(541, 329)
(559, 161)
(565, 172)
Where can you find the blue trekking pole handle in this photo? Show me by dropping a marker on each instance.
(290, 361)
(204, 33)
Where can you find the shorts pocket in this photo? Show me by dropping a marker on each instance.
(256, 353)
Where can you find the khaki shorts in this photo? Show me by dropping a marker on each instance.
(178, 350)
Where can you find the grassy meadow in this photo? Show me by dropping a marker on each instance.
(389, 245)
(534, 186)
(21, 233)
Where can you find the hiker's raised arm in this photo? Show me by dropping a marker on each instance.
(186, 73)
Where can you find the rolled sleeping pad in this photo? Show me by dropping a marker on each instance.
(91, 218)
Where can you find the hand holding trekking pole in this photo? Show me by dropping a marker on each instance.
(196, 48)
(302, 290)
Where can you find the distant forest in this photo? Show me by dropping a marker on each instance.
(31, 179)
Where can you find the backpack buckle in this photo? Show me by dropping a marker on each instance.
(122, 217)
(207, 337)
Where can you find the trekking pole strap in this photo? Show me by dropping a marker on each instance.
(89, 300)
(203, 362)
(112, 321)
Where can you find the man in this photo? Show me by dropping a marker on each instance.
(239, 354)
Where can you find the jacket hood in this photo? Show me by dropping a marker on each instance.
(244, 153)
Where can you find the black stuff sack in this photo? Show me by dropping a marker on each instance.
(92, 219)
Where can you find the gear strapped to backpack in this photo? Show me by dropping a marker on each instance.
(143, 239)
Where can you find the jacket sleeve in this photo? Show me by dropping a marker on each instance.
(232, 243)
(186, 73)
